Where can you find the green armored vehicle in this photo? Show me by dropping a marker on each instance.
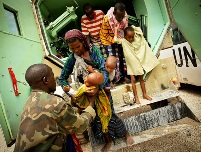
(33, 32)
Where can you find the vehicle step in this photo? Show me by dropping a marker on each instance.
(120, 105)
(3, 145)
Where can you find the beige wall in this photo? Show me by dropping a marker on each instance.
(55, 68)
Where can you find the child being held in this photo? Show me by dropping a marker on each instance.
(81, 69)
(93, 79)
(110, 65)
(138, 55)
(102, 103)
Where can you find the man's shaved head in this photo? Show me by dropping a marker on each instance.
(35, 73)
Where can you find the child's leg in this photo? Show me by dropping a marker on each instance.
(134, 89)
(129, 139)
(142, 84)
(108, 144)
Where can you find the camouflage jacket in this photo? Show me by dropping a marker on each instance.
(46, 120)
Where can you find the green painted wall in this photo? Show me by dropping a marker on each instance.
(3, 120)
(50, 10)
(187, 15)
(157, 20)
(140, 7)
(17, 52)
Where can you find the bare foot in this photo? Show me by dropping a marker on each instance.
(107, 146)
(147, 97)
(129, 140)
(137, 100)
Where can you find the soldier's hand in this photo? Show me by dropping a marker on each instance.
(66, 88)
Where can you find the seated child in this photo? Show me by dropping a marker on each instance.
(138, 55)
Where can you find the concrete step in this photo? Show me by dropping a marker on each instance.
(181, 135)
(3, 145)
(121, 105)
(141, 120)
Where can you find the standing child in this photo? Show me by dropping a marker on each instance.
(138, 56)
(110, 65)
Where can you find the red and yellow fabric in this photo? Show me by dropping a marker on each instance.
(108, 25)
(102, 104)
(106, 33)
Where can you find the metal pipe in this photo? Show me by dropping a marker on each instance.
(76, 4)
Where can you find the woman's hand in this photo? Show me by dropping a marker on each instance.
(90, 69)
(92, 92)
(92, 95)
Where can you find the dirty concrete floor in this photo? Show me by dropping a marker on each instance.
(189, 93)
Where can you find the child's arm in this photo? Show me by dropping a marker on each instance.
(112, 85)
(66, 88)
(115, 30)
(116, 40)
(90, 69)
(70, 93)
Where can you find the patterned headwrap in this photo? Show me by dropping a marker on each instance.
(77, 34)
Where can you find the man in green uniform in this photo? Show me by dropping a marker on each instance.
(46, 118)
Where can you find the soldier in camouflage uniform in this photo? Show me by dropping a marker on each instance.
(47, 119)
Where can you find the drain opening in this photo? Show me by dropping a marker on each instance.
(153, 115)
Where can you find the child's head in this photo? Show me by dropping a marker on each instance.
(119, 11)
(94, 79)
(110, 63)
(129, 34)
